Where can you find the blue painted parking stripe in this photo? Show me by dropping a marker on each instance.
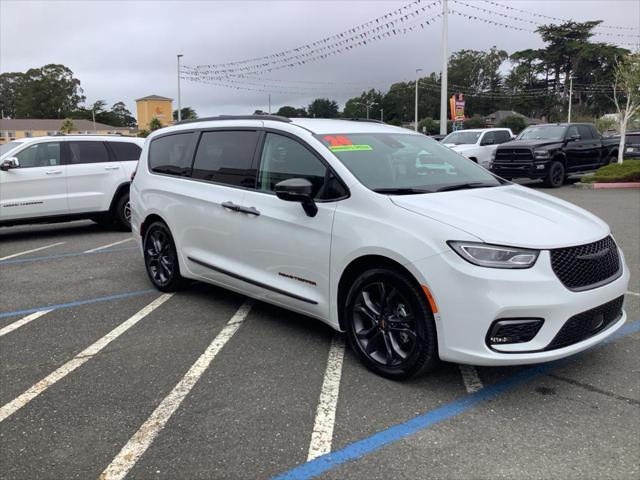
(64, 255)
(77, 303)
(393, 434)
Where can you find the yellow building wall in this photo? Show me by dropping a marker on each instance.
(148, 109)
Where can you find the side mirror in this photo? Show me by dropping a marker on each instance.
(8, 163)
(298, 190)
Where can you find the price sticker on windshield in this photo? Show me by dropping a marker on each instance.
(340, 143)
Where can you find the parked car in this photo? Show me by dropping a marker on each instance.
(631, 145)
(53, 179)
(552, 152)
(438, 137)
(478, 144)
(357, 224)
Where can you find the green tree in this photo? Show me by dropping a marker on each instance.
(475, 122)
(356, 107)
(122, 117)
(10, 84)
(429, 125)
(515, 123)
(67, 126)
(186, 113)
(154, 124)
(323, 108)
(291, 112)
(626, 94)
(48, 92)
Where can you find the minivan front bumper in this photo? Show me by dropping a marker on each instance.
(470, 299)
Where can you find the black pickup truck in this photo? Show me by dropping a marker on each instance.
(552, 152)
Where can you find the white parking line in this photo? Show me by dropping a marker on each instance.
(146, 434)
(634, 294)
(106, 246)
(23, 321)
(470, 378)
(322, 434)
(31, 251)
(84, 356)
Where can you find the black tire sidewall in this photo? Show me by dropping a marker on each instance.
(121, 219)
(549, 182)
(425, 354)
(177, 282)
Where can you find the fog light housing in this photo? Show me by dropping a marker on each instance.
(513, 330)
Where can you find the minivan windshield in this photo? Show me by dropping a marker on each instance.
(8, 146)
(462, 138)
(543, 132)
(400, 163)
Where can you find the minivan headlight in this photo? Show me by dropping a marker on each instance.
(495, 256)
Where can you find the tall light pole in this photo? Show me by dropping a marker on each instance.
(416, 112)
(570, 95)
(443, 79)
(367, 106)
(179, 101)
(269, 104)
(382, 114)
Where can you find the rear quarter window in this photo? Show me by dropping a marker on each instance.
(125, 151)
(171, 154)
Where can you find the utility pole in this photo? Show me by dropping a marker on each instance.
(179, 102)
(443, 79)
(570, 96)
(93, 115)
(382, 114)
(269, 104)
(416, 110)
(367, 106)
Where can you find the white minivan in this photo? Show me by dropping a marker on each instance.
(67, 177)
(418, 253)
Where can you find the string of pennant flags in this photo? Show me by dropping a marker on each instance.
(540, 15)
(360, 33)
(534, 22)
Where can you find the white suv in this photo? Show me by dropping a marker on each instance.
(478, 144)
(51, 179)
(415, 251)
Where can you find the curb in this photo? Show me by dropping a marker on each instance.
(590, 186)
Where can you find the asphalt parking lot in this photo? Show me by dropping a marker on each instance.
(115, 379)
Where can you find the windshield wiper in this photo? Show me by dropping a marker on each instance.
(400, 191)
(464, 186)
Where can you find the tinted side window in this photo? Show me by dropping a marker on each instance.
(585, 132)
(40, 155)
(284, 158)
(170, 154)
(226, 157)
(488, 139)
(87, 152)
(126, 151)
(502, 136)
(572, 131)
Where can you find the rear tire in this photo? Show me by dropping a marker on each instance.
(613, 158)
(161, 259)
(122, 213)
(390, 325)
(555, 175)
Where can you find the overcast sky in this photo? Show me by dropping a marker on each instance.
(122, 50)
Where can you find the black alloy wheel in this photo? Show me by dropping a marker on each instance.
(390, 324)
(161, 259)
(555, 176)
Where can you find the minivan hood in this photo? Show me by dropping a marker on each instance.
(509, 215)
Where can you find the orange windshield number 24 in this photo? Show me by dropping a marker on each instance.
(337, 140)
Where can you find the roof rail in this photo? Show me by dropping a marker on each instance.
(372, 120)
(275, 118)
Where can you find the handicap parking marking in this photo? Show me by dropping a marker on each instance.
(360, 448)
(23, 321)
(19, 254)
(322, 434)
(470, 378)
(76, 303)
(104, 247)
(146, 434)
(63, 255)
(81, 358)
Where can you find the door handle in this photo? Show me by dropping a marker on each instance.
(53, 172)
(113, 167)
(231, 206)
(249, 210)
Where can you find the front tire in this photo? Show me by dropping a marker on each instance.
(161, 258)
(555, 176)
(390, 325)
